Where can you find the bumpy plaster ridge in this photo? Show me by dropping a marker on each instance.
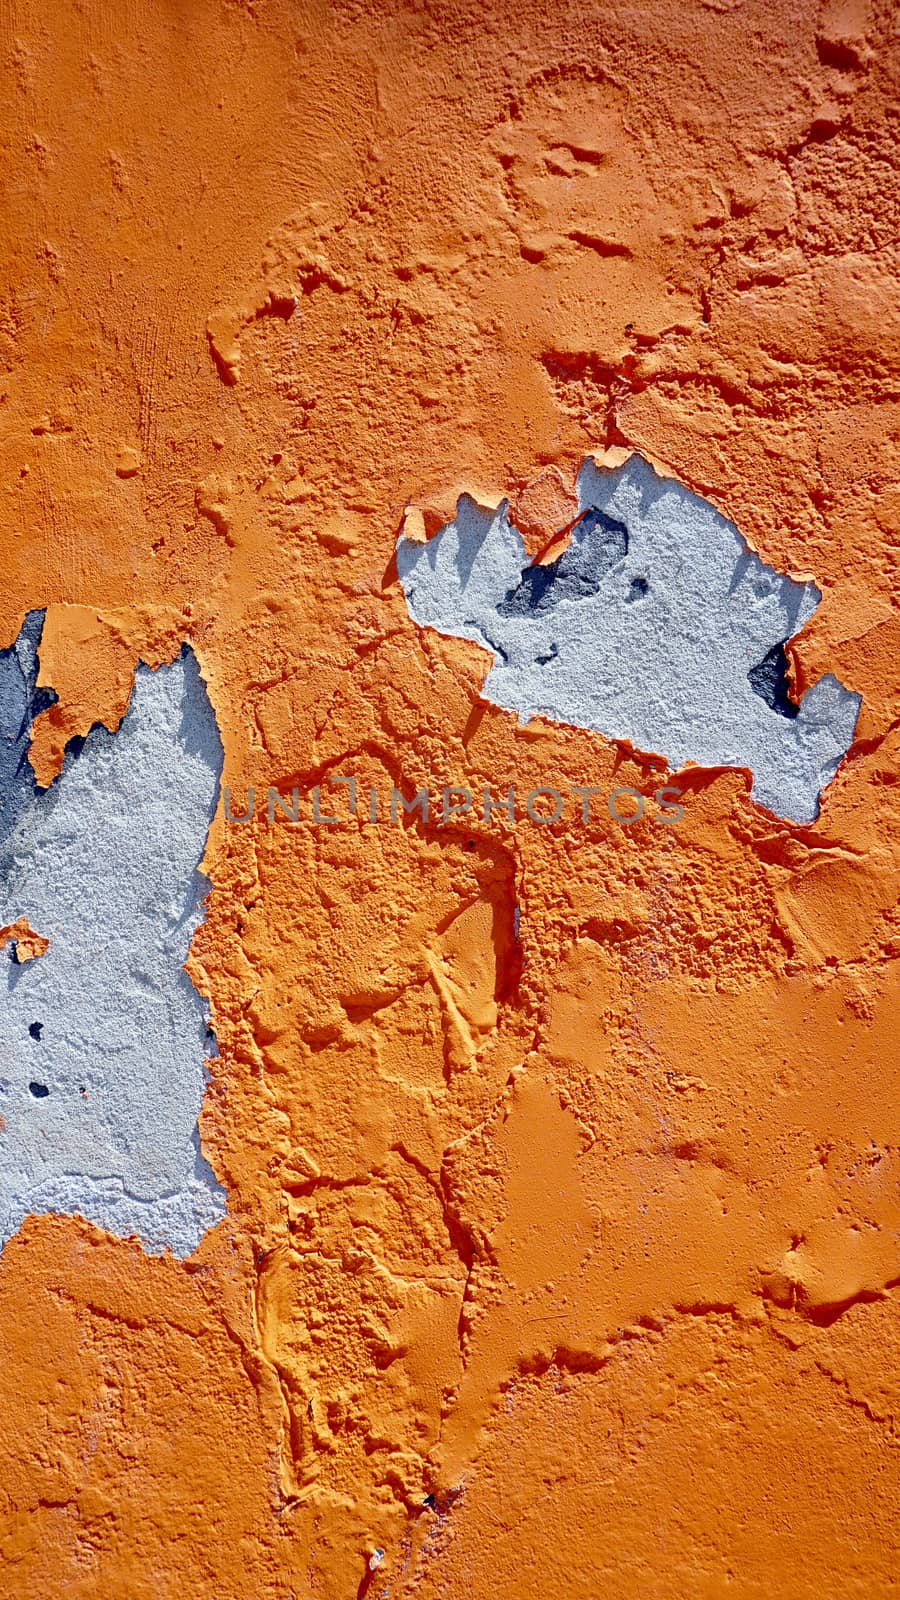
(102, 1037)
(657, 625)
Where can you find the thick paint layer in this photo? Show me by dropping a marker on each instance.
(560, 1253)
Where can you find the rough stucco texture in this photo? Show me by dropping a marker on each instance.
(538, 1230)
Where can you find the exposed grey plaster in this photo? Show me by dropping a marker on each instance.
(657, 625)
(102, 1038)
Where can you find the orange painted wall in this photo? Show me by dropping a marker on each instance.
(590, 1238)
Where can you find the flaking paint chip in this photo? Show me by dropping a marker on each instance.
(128, 461)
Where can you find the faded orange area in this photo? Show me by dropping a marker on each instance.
(562, 1250)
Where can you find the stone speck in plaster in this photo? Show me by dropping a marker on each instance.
(656, 625)
(101, 1095)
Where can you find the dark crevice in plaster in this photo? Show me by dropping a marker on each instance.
(20, 702)
(598, 544)
(769, 679)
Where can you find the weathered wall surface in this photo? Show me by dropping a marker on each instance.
(558, 1161)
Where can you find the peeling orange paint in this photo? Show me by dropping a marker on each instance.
(28, 944)
(87, 657)
(563, 1232)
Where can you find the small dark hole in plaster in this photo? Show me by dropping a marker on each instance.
(637, 590)
(39, 1090)
(35, 1029)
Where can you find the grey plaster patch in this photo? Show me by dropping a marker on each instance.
(102, 1039)
(657, 625)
